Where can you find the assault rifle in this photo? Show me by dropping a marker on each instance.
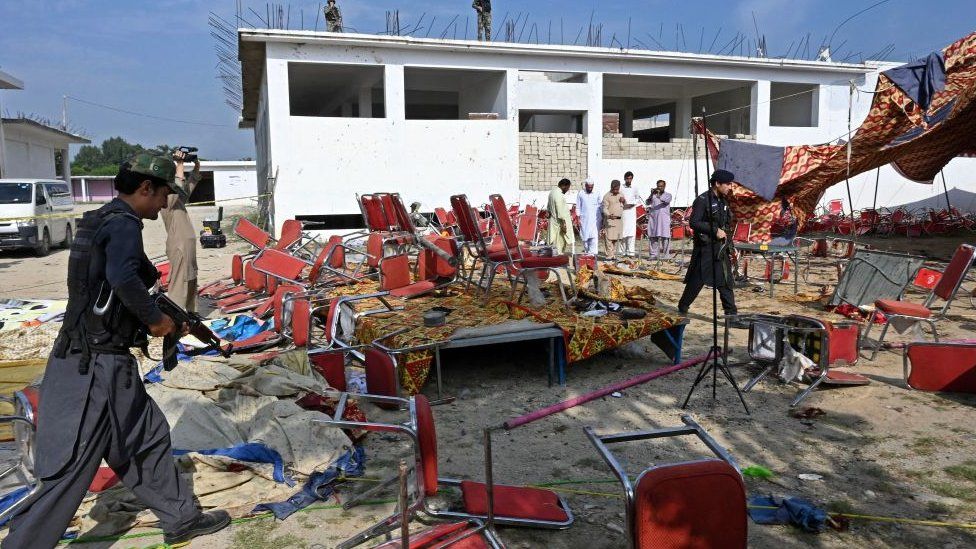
(196, 327)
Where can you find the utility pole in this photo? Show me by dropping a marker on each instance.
(64, 113)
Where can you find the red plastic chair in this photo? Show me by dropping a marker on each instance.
(523, 264)
(948, 367)
(742, 232)
(692, 504)
(914, 313)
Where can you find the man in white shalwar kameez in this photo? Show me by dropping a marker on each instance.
(591, 217)
(561, 235)
(629, 219)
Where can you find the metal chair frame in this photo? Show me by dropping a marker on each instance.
(690, 427)
(24, 468)
(786, 326)
(937, 314)
(421, 504)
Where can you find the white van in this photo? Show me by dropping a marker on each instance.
(36, 213)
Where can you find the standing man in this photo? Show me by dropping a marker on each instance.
(589, 209)
(613, 209)
(561, 235)
(710, 262)
(659, 220)
(483, 8)
(629, 221)
(333, 17)
(93, 405)
(418, 219)
(181, 240)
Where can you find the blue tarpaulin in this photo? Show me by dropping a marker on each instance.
(249, 451)
(920, 80)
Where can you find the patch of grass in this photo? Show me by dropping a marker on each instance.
(938, 508)
(965, 470)
(559, 473)
(841, 506)
(874, 470)
(925, 446)
(260, 535)
(952, 490)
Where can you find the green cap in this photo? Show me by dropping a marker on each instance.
(159, 167)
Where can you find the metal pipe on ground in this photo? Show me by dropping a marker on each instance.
(619, 386)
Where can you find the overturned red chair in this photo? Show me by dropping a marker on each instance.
(692, 504)
(910, 314)
(941, 367)
(512, 505)
(808, 336)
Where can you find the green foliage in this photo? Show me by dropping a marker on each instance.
(757, 471)
(105, 159)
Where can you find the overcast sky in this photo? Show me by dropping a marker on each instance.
(157, 57)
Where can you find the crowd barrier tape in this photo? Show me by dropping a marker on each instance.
(78, 214)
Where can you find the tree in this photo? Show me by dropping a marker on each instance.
(116, 150)
(88, 158)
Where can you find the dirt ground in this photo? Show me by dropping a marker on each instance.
(881, 450)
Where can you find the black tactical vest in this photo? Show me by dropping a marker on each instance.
(82, 330)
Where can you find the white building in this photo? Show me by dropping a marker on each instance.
(30, 149)
(229, 183)
(340, 114)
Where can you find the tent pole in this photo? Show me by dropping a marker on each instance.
(877, 178)
(945, 189)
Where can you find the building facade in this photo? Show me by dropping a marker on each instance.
(339, 114)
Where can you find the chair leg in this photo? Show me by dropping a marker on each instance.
(759, 377)
(865, 337)
(884, 330)
(806, 392)
(935, 331)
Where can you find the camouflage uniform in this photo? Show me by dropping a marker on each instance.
(483, 7)
(333, 18)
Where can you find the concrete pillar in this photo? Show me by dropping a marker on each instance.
(593, 122)
(366, 102)
(682, 116)
(85, 195)
(627, 122)
(66, 166)
(759, 111)
(396, 101)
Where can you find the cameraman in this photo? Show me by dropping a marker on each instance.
(181, 239)
(93, 405)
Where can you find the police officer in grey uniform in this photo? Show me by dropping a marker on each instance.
(710, 258)
(93, 404)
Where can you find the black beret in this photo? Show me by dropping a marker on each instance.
(722, 176)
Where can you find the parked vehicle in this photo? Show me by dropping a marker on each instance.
(36, 213)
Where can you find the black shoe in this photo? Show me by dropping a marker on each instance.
(206, 523)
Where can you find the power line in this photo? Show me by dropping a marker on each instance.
(145, 115)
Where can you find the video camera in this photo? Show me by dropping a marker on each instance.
(188, 153)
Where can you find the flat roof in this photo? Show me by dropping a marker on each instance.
(37, 126)
(227, 164)
(251, 53)
(8, 82)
